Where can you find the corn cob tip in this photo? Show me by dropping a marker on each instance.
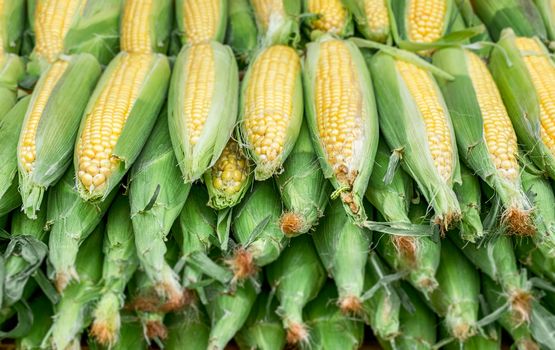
(519, 221)
(293, 224)
(242, 265)
(521, 305)
(104, 332)
(173, 295)
(406, 246)
(446, 221)
(154, 329)
(527, 344)
(297, 333)
(107, 321)
(350, 305)
(427, 284)
(463, 331)
(63, 279)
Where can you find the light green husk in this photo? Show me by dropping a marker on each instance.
(222, 20)
(12, 19)
(140, 121)
(73, 313)
(343, 249)
(263, 329)
(157, 196)
(42, 321)
(468, 123)
(529, 255)
(545, 9)
(12, 69)
(188, 329)
(241, 31)
(228, 312)
(195, 159)
(282, 28)
(357, 8)
(130, 337)
(296, 277)
(10, 128)
(469, 194)
(488, 339)
(120, 262)
(304, 190)
(352, 186)
(72, 221)
(346, 30)
(329, 327)
(57, 128)
(471, 19)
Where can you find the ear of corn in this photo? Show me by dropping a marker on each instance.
(325, 319)
(343, 249)
(12, 15)
(72, 221)
(547, 12)
(131, 335)
(145, 26)
(10, 128)
(371, 17)
(202, 106)
(157, 196)
(242, 32)
(297, 277)
(415, 123)
(423, 21)
(470, 200)
(488, 339)
(328, 16)
(189, 329)
(263, 329)
(12, 69)
(485, 135)
(50, 126)
(271, 108)
(78, 297)
(42, 320)
(304, 189)
(277, 20)
(200, 21)
(342, 118)
(117, 121)
(120, 262)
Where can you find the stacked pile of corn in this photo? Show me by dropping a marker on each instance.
(300, 170)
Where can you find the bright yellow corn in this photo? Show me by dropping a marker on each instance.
(231, 170)
(332, 15)
(268, 11)
(426, 20)
(427, 99)
(53, 19)
(542, 73)
(498, 130)
(135, 28)
(377, 17)
(27, 150)
(106, 120)
(202, 19)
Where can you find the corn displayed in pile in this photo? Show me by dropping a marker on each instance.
(277, 174)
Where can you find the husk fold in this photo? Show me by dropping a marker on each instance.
(241, 32)
(282, 28)
(12, 68)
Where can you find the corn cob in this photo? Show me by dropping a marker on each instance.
(10, 127)
(418, 256)
(228, 312)
(416, 125)
(329, 327)
(488, 339)
(12, 69)
(73, 311)
(277, 20)
(328, 16)
(72, 221)
(229, 178)
(304, 190)
(546, 9)
(42, 320)
(50, 126)
(296, 277)
(188, 329)
(263, 329)
(157, 196)
(470, 196)
(120, 262)
(242, 33)
(343, 249)
(342, 118)
(202, 106)
(145, 26)
(257, 216)
(485, 136)
(200, 21)
(371, 17)
(12, 15)
(117, 121)
(271, 108)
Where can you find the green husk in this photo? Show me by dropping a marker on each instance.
(188, 329)
(329, 327)
(468, 122)
(157, 196)
(120, 262)
(130, 337)
(304, 190)
(241, 31)
(357, 8)
(345, 30)
(343, 249)
(256, 229)
(139, 123)
(42, 321)
(12, 69)
(4, 221)
(471, 19)
(281, 28)
(417, 329)
(263, 329)
(381, 302)
(219, 35)
(457, 296)
(57, 128)
(542, 325)
(520, 15)
(12, 17)
(296, 277)
(228, 312)
(351, 186)
(488, 339)
(402, 126)
(521, 99)
(72, 220)
(529, 255)
(10, 128)
(469, 194)
(221, 114)
(545, 8)
(74, 311)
